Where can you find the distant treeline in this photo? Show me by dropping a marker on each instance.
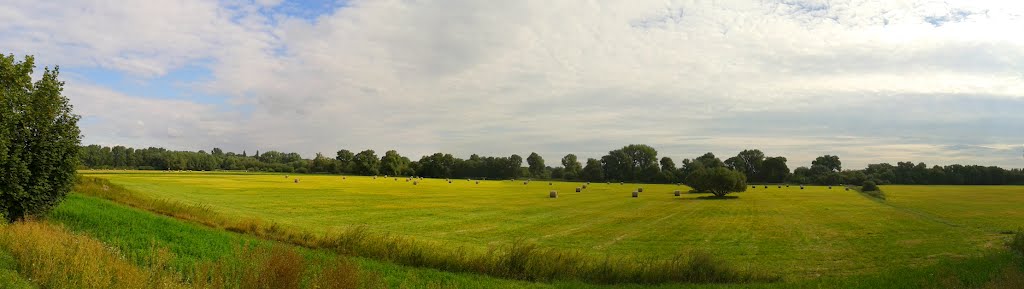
(632, 163)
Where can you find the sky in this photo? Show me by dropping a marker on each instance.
(939, 82)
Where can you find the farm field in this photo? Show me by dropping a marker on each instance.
(801, 234)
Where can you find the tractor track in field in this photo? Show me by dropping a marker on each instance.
(920, 214)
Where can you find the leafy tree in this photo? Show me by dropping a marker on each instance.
(749, 162)
(592, 172)
(39, 140)
(515, 164)
(572, 166)
(536, 163)
(217, 152)
(828, 162)
(366, 163)
(774, 170)
(719, 181)
(345, 158)
(393, 164)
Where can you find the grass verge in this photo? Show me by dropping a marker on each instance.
(520, 260)
(54, 257)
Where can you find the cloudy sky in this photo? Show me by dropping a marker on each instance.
(934, 81)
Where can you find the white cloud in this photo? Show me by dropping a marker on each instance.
(563, 76)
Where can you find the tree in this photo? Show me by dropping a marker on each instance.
(536, 163)
(345, 158)
(635, 162)
(39, 140)
(719, 181)
(749, 162)
(572, 167)
(515, 164)
(366, 163)
(774, 170)
(393, 164)
(592, 172)
(829, 162)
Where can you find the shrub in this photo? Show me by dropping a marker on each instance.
(1017, 243)
(869, 186)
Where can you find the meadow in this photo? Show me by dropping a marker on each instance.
(801, 234)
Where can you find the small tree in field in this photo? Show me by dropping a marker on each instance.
(39, 140)
(719, 181)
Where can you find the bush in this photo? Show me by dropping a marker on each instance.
(1017, 244)
(719, 181)
(39, 140)
(869, 186)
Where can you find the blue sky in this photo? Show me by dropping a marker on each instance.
(934, 81)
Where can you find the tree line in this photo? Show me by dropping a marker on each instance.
(631, 163)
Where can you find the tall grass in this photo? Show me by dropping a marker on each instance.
(519, 260)
(53, 257)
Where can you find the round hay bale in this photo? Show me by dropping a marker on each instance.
(766, 186)
(584, 186)
(550, 183)
(449, 181)
(286, 176)
(621, 183)
(677, 193)
(636, 194)
(578, 190)
(414, 183)
(477, 182)
(344, 178)
(553, 194)
(525, 182)
(847, 189)
(640, 190)
(296, 181)
(801, 187)
(396, 179)
(829, 187)
(374, 177)
(753, 187)
(780, 187)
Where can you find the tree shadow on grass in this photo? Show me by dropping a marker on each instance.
(718, 198)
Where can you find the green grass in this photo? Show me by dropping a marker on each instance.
(813, 236)
(136, 233)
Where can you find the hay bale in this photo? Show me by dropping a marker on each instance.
(753, 187)
(636, 194)
(641, 190)
(578, 190)
(829, 187)
(677, 193)
(286, 176)
(296, 181)
(525, 182)
(344, 178)
(553, 194)
(414, 183)
(584, 186)
(477, 182)
(621, 183)
(449, 181)
(766, 186)
(374, 177)
(801, 187)
(549, 183)
(847, 189)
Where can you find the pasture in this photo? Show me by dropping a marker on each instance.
(800, 234)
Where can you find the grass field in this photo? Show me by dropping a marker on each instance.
(801, 234)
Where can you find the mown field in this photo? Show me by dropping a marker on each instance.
(799, 234)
